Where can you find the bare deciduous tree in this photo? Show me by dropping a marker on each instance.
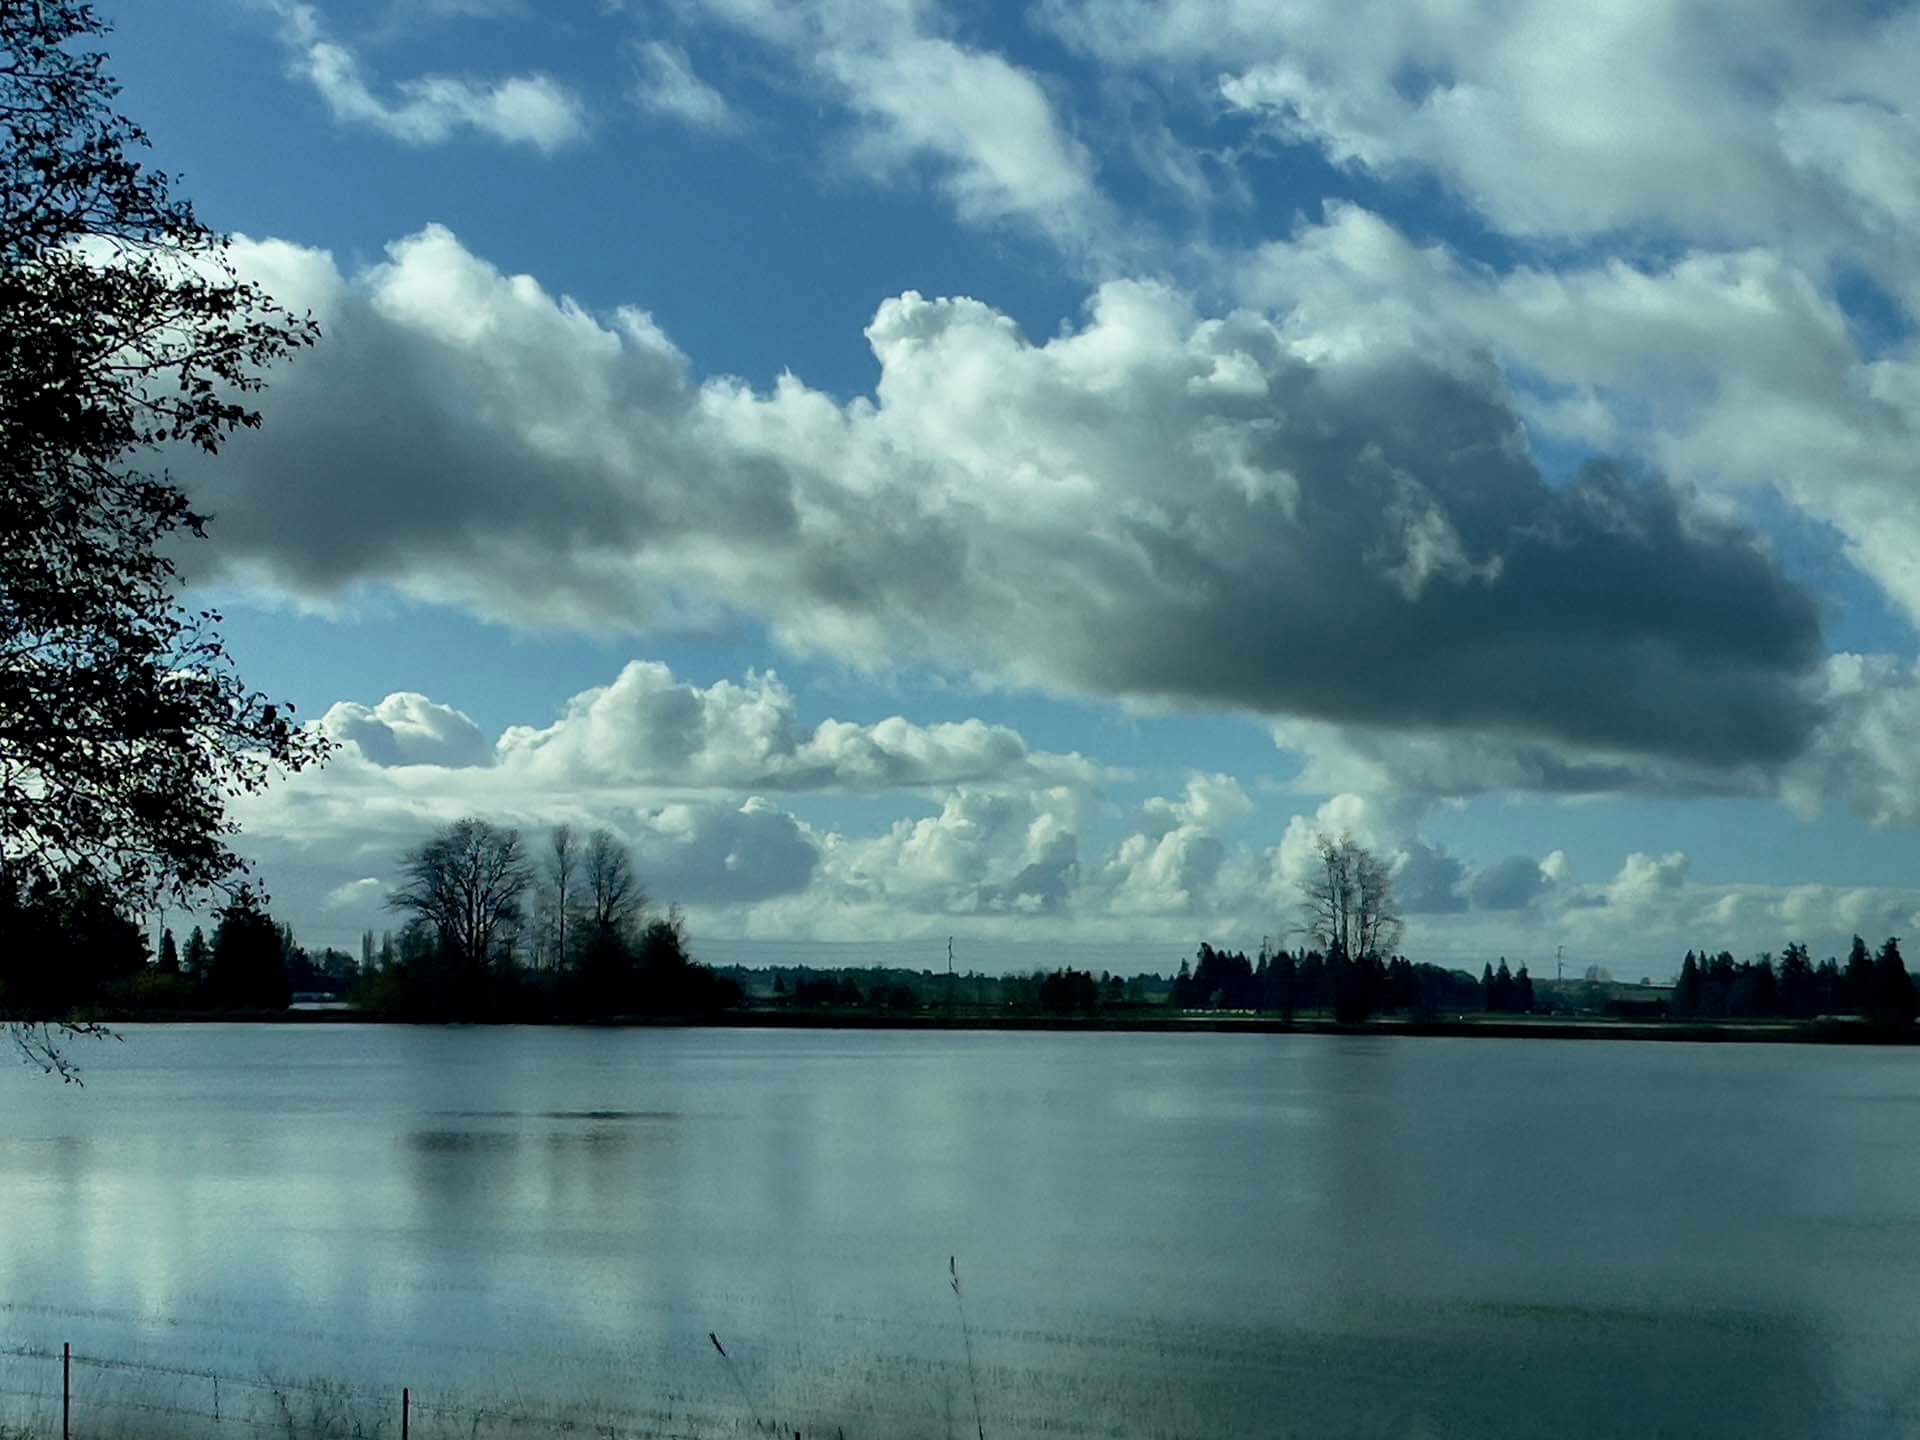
(466, 882)
(615, 899)
(563, 865)
(1348, 901)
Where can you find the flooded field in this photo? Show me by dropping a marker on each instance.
(543, 1230)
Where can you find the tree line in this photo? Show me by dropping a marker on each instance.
(1874, 985)
(1278, 982)
(1349, 988)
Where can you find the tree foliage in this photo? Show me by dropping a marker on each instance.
(124, 330)
(63, 940)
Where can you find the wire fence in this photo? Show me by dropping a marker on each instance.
(78, 1396)
(998, 1381)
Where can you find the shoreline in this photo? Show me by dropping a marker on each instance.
(1834, 1031)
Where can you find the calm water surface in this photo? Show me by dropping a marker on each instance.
(1156, 1235)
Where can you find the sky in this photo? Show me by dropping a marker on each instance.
(1021, 473)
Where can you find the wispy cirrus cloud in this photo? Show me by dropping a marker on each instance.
(535, 110)
(666, 84)
(985, 127)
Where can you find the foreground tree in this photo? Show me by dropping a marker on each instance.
(62, 941)
(124, 730)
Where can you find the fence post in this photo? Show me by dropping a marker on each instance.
(406, 1404)
(66, 1390)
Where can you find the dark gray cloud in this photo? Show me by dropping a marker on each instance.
(1427, 881)
(1042, 886)
(1152, 506)
(1606, 614)
(1510, 884)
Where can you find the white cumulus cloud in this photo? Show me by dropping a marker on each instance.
(1154, 505)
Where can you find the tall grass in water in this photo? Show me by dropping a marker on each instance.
(966, 1335)
(753, 1410)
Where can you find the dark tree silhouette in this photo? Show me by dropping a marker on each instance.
(671, 981)
(1893, 998)
(169, 961)
(618, 960)
(1859, 982)
(65, 939)
(245, 970)
(1795, 991)
(1347, 901)
(1876, 986)
(1281, 988)
(1219, 980)
(193, 961)
(124, 729)
(1069, 990)
(1310, 982)
(1756, 989)
(563, 866)
(812, 991)
(1829, 989)
(467, 883)
(1356, 982)
(615, 901)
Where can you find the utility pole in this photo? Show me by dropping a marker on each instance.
(1559, 962)
(950, 995)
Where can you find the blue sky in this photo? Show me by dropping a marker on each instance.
(1024, 477)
